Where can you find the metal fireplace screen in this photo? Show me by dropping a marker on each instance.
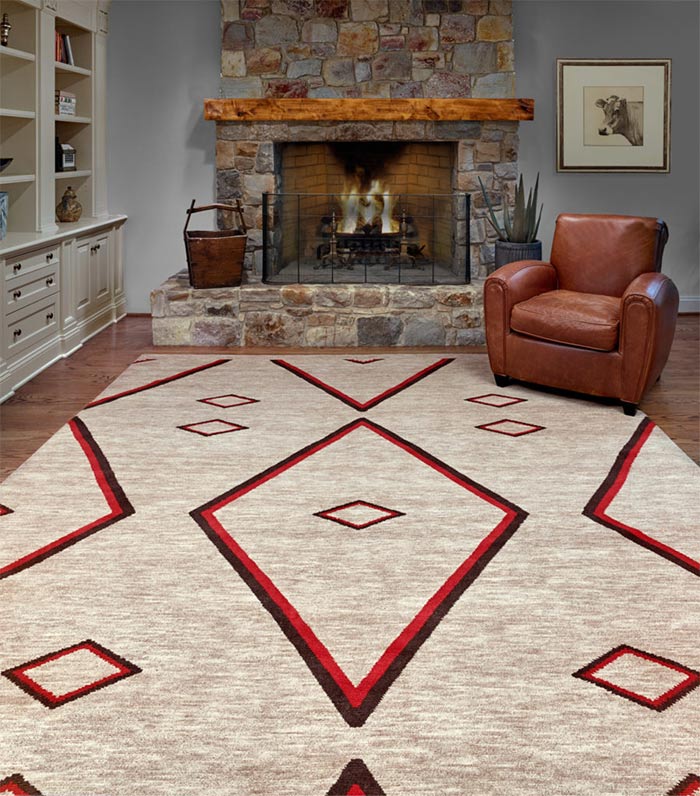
(415, 239)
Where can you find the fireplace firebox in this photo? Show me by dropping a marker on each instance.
(371, 237)
(366, 212)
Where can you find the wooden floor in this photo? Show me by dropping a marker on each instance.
(48, 401)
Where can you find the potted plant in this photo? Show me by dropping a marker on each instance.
(517, 238)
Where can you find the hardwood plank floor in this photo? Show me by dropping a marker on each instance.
(44, 404)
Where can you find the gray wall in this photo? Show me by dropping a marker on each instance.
(545, 30)
(163, 60)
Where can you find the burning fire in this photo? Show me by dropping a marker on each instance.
(362, 208)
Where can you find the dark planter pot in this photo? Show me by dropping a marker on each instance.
(507, 252)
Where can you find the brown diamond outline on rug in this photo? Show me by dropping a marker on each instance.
(232, 427)
(356, 703)
(17, 785)
(356, 775)
(18, 675)
(478, 399)
(662, 702)
(689, 786)
(597, 506)
(243, 402)
(119, 504)
(363, 406)
(530, 428)
(389, 514)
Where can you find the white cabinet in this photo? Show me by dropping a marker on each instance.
(60, 283)
(55, 296)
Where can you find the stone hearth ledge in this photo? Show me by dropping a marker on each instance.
(316, 315)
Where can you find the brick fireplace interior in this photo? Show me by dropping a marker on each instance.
(366, 201)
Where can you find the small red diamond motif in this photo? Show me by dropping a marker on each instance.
(494, 399)
(511, 428)
(690, 786)
(17, 785)
(5, 510)
(227, 401)
(363, 361)
(210, 428)
(70, 673)
(646, 679)
(359, 514)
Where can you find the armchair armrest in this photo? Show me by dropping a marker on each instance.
(647, 326)
(509, 285)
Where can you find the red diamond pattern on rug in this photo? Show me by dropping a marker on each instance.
(511, 428)
(357, 403)
(116, 501)
(212, 428)
(359, 514)
(157, 383)
(689, 786)
(228, 401)
(599, 507)
(5, 510)
(495, 399)
(362, 667)
(641, 677)
(17, 785)
(363, 361)
(356, 780)
(70, 673)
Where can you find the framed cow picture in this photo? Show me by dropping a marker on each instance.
(613, 115)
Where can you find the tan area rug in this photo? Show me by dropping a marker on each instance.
(349, 575)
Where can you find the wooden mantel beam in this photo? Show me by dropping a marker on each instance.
(366, 110)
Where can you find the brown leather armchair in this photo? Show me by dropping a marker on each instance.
(598, 318)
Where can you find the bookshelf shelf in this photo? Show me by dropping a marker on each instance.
(16, 113)
(75, 70)
(22, 55)
(73, 175)
(73, 119)
(16, 179)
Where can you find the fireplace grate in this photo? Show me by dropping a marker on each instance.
(382, 238)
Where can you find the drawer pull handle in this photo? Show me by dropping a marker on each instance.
(49, 316)
(97, 248)
(16, 294)
(49, 257)
(49, 281)
(17, 333)
(17, 267)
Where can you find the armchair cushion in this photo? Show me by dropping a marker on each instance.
(585, 320)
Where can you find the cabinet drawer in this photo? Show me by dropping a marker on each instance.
(28, 326)
(31, 287)
(22, 264)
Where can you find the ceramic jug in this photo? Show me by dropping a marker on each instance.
(69, 208)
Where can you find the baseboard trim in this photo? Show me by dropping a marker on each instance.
(689, 305)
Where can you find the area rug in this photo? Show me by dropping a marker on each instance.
(323, 574)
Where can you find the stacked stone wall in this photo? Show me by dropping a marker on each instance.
(367, 48)
(316, 315)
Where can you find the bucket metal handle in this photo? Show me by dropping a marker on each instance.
(237, 208)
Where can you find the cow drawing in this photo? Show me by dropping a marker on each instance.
(622, 117)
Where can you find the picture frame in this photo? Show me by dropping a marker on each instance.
(614, 115)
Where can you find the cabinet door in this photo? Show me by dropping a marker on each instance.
(101, 269)
(83, 263)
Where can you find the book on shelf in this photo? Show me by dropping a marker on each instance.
(64, 51)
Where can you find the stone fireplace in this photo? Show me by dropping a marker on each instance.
(276, 52)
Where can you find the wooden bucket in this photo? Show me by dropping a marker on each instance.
(215, 257)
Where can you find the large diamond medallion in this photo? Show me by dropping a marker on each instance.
(358, 606)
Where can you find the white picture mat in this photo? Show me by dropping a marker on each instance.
(574, 153)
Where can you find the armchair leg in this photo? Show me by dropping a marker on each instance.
(501, 381)
(629, 409)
